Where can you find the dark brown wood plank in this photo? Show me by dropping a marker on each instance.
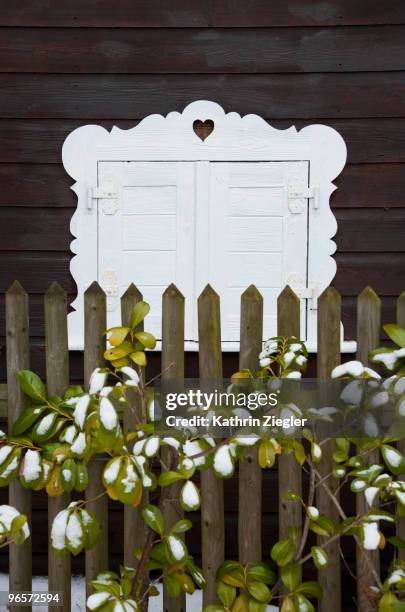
(370, 230)
(369, 185)
(37, 270)
(359, 230)
(353, 95)
(47, 229)
(357, 270)
(359, 185)
(373, 141)
(182, 13)
(354, 271)
(35, 185)
(32, 142)
(202, 51)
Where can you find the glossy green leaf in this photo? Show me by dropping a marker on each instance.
(27, 419)
(153, 517)
(141, 309)
(283, 552)
(396, 333)
(32, 385)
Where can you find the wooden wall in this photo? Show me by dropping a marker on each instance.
(68, 63)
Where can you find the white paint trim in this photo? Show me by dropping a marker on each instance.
(172, 138)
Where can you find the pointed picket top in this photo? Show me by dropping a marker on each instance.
(208, 293)
(288, 313)
(132, 293)
(173, 292)
(369, 295)
(55, 291)
(330, 295)
(288, 295)
(94, 289)
(16, 289)
(252, 294)
(401, 309)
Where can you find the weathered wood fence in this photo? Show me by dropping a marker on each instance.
(210, 365)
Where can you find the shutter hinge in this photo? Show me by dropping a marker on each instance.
(310, 193)
(97, 193)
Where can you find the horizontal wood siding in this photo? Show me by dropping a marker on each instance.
(201, 13)
(108, 62)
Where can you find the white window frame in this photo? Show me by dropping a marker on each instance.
(234, 138)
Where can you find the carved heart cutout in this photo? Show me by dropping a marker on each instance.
(203, 128)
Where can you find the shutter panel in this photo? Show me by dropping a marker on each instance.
(256, 235)
(148, 237)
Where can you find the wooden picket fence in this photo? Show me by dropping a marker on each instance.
(210, 366)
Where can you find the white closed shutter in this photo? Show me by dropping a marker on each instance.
(258, 235)
(146, 235)
(230, 224)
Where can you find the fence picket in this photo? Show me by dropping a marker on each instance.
(134, 529)
(172, 368)
(289, 471)
(368, 334)
(17, 333)
(401, 443)
(329, 317)
(57, 380)
(250, 473)
(94, 345)
(212, 490)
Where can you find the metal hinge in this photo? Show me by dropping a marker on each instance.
(310, 193)
(98, 193)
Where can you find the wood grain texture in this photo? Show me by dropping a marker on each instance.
(181, 13)
(212, 489)
(370, 140)
(370, 230)
(329, 310)
(57, 381)
(353, 95)
(172, 369)
(250, 473)
(369, 185)
(94, 346)
(354, 271)
(290, 477)
(368, 334)
(359, 231)
(134, 527)
(17, 330)
(202, 51)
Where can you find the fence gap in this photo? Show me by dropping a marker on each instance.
(368, 335)
(17, 334)
(134, 528)
(57, 380)
(289, 471)
(401, 443)
(95, 324)
(212, 489)
(172, 369)
(329, 317)
(250, 473)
